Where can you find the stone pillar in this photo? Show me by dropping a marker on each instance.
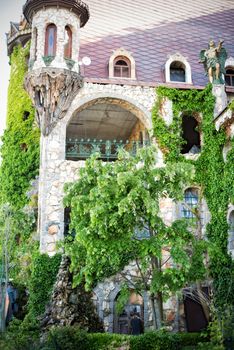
(221, 98)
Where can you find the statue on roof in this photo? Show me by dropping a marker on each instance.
(213, 60)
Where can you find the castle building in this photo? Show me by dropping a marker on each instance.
(92, 73)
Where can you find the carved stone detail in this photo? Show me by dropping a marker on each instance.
(52, 92)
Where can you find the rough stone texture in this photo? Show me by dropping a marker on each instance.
(70, 306)
(221, 99)
(166, 111)
(61, 18)
(226, 119)
(55, 171)
(52, 93)
(105, 296)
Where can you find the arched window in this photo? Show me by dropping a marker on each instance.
(177, 72)
(190, 201)
(122, 67)
(229, 76)
(51, 40)
(35, 38)
(190, 135)
(68, 43)
(231, 231)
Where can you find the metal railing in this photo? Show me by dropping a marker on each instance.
(80, 149)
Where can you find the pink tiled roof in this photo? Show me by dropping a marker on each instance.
(152, 30)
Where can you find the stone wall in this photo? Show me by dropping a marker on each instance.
(55, 170)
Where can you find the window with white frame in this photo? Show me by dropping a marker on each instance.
(229, 76)
(122, 65)
(178, 70)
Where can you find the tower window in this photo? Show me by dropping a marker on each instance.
(229, 77)
(122, 67)
(68, 43)
(190, 135)
(51, 40)
(177, 72)
(35, 34)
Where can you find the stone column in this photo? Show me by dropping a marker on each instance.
(221, 98)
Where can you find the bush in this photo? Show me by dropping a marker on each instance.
(72, 338)
(66, 338)
(44, 272)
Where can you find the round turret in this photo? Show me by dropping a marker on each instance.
(54, 78)
(55, 32)
(76, 6)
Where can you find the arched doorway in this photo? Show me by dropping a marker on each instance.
(135, 305)
(104, 126)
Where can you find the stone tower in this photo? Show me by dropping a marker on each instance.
(53, 81)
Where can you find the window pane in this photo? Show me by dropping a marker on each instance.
(68, 42)
(177, 74)
(51, 38)
(117, 71)
(228, 80)
(121, 63)
(191, 200)
(125, 72)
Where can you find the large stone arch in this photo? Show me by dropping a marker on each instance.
(126, 102)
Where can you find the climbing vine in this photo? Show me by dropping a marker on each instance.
(214, 176)
(20, 142)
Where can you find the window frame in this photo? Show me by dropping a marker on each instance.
(47, 34)
(121, 52)
(68, 45)
(121, 67)
(229, 75)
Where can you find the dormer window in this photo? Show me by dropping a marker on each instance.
(177, 72)
(229, 76)
(122, 67)
(51, 40)
(68, 43)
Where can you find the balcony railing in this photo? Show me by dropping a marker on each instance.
(80, 149)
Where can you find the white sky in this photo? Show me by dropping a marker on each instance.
(10, 10)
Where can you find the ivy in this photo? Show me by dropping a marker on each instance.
(214, 176)
(44, 272)
(20, 142)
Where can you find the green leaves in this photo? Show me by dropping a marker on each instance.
(20, 147)
(115, 212)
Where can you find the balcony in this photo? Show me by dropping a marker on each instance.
(81, 149)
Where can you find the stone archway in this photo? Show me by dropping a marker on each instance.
(121, 321)
(105, 125)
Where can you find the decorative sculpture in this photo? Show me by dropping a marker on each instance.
(213, 60)
(52, 92)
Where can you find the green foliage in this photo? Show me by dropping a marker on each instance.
(20, 147)
(231, 106)
(122, 299)
(16, 240)
(69, 338)
(44, 272)
(20, 336)
(213, 175)
(115, 214)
